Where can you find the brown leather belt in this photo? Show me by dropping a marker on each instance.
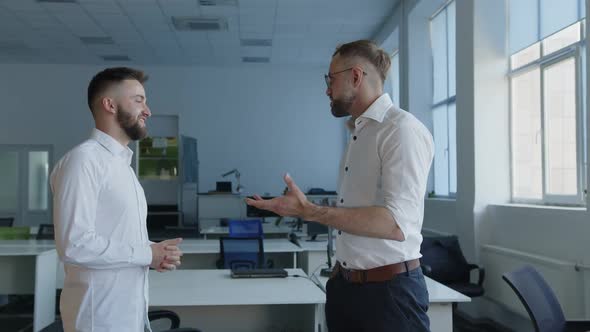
(378, 274)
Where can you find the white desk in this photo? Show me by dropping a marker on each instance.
(212, 301)
(202, 254)
(269, 230)
(440, 307)
(30, 269)
(313, 255)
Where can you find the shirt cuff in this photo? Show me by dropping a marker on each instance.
(142, 255)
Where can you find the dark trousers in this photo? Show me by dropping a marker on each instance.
(397, 305)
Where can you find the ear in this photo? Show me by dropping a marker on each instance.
(108, 104)
(357, 76)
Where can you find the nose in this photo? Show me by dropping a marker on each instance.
(147, 111)
(328, 91)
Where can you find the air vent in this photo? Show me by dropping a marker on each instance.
(97, 40)
(211, 3)
(57, 1)
(115, 58)
(256, 42)
(255, 59)
(199, 23)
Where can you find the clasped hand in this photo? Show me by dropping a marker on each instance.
(166, 255)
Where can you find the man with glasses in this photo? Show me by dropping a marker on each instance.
(377, 283)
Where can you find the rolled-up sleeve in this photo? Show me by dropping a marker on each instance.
(406, 154)
(76, 184)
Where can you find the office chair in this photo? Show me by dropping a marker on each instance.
(46, 232)
(443, 261)
(540, 302)
(6, 221)
(241, 253)
(245, 228)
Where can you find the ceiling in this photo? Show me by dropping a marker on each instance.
(150, 31)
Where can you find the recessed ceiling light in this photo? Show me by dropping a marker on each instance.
(115, 58)
(198, 23)
(255, 59)
(256, 42)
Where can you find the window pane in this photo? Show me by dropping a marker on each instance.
(561, 39)
(451, 34)
(556, 15)
(38, 179)
(438, 35)
(560, 114)
(441, 151)
(523, 23)
(452, 148)
(9, 180)
(526, 136)
(525, 56)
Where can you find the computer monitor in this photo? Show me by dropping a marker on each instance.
(253, 212)
(314, 229)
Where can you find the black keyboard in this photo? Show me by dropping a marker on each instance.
(259, 273)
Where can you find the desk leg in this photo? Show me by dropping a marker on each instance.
(441, 317)
(45, 282)
(320, 318)
(294, 260)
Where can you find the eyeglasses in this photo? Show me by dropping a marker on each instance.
(328, 77)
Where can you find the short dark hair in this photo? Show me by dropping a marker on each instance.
(103, 80)
(369, 51)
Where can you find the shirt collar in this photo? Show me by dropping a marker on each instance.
(375, 112)
(112, 145)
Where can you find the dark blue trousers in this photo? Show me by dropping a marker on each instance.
(397, 305)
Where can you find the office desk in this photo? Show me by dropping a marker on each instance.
(212, 301)
(202, 254)
(313, 254)
(440, 307)
(269, 230)
(30, 269)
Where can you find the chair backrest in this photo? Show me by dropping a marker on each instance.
(46, 232)
(245, 228)
(6, 221)
(241, 252)
(444, 256)
(538, 299)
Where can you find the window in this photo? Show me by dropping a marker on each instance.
(442, 34)
(24, 174)
(547, 120)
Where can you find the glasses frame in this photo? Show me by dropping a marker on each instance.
(329, 76)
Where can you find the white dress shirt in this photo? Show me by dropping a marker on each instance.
(99, 212)
(386, 163)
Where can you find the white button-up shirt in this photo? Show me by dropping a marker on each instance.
(99, 212)
(386, 163)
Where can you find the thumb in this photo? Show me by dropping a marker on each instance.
(290, 183)
(174, 241)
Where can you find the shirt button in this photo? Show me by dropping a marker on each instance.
(346, 168)
(344, 263)
(339, 232)
(354, 138)
(342, 200)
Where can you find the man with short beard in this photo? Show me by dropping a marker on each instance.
(99, 213)
(377, 284)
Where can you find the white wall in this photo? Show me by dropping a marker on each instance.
(263, 120)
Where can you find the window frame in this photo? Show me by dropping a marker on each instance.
(572, 51)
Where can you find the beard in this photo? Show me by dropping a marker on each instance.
(130, 124)
(341, 107)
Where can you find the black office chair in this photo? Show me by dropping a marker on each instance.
(46, 232)
(6, 221)
(241, 253)
(443, 261)
(153, 315)
(540, 302)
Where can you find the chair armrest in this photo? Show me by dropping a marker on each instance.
(482, 273)
(577, 326)
(426, 269)
(165, 314)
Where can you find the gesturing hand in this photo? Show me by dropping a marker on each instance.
(292, 204)
(166, 255)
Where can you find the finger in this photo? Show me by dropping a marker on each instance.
(171, 259)
(174, 253)
(258, 198)
(261, 204)
(172, 248)
(174, 241)
(290, 183)
(168, 267)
